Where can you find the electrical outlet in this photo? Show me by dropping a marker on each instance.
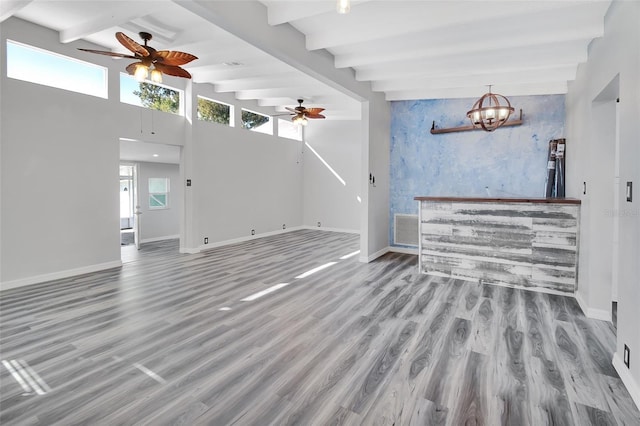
(318, 224)
(206, 240)
(625, 357)
(284, 226)
(253, 232)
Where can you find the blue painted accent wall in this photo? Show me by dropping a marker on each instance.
(510, 161)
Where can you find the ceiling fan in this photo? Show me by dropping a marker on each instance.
(163, 61)
(300, 113)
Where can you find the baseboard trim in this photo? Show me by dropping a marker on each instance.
(374, 256)
(598, 314)
(217, 244)
(247, 238)
(627, 379)
(37, 279)
(320, 228)
(153, 240)
(185, 250)
(404, 250)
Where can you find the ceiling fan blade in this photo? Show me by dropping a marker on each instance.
(131, 68)
(172, 70)
(291, 109)
(169, 57)
(313, 111)
(131, 44)
(315, 116)
(115, 55)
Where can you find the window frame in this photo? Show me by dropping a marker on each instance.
(231, 111)
(270, 129)
(101, 90)
(152, 194)
(181, 107)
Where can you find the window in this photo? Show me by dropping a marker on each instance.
(256, 122)
(290, 130)
(214, 111)
(158, 193)
(149, 95)
(41, 66)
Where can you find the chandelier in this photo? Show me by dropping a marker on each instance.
(490, 111)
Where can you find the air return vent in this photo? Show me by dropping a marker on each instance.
(405, 229)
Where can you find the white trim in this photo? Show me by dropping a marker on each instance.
(185, 250)
(248, 238)
(321, 228)
(264, 234)
(627, 379)
(404, 250)
(167, 237)
(374, 256)
(598, 314)
(37, 279)
(419, 236)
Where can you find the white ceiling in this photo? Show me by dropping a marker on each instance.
(136, 151)
(418, 49)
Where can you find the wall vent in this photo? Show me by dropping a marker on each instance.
(405, 229)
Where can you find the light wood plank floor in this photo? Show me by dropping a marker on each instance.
(168, 339)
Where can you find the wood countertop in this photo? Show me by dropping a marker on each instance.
(501, 200)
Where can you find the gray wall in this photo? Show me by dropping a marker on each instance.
(160, 223)
(612, 70)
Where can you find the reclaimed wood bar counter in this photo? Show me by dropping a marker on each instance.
(520, 242)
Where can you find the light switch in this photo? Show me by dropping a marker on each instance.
(629, 191)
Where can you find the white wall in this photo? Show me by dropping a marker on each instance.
(326, 199)
(244, 181)
(59, 169)
(248, 20)
(613, 67)
(376, 124)
(160, 223)
(60, 157)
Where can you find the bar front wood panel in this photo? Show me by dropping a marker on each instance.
(514, 243)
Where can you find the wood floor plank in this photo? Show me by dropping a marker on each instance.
(173, 338)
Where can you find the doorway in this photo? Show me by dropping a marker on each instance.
(129, 207)
(605, 193)
(151, 197)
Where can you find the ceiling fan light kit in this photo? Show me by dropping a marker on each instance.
(300, 114)
(300, 120)
(343, 6)
(152, 63)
